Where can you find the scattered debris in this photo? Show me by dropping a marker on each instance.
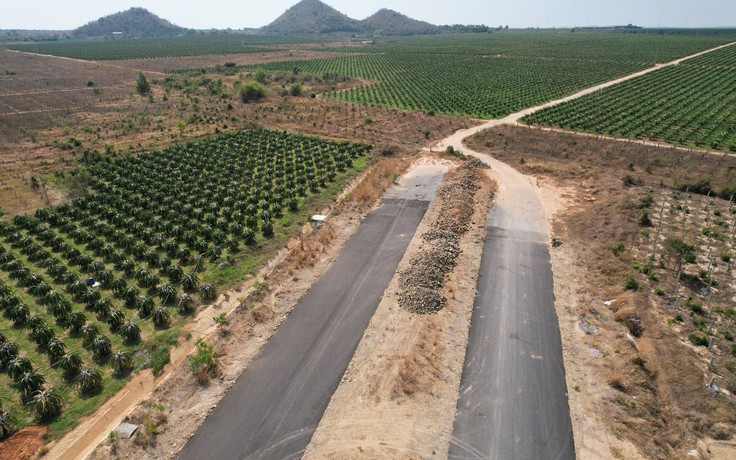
(126, 430)
(586, 326)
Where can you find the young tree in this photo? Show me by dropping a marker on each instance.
(680, 252)
(205, 362)
(142, 85)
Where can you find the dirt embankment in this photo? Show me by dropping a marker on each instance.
(637, 387)
(397, 399)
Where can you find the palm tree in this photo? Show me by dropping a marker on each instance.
(70, 364)
(121, 362)
(7, 423)
(89, 381)
(130, 331)
(61, 310)
(42, 335)
(19, 314)
(27, 384)
(90, 331)
(185, 304)
(116, 319)
(160, 317)
(55, 348)
(167, 293)
(145, 305)
(101, 347)
(47, 404)
(207, 292)
(8, 351)
(18, 366)
(190, 281)
(75, 321)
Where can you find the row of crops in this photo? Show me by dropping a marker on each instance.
(490, 76)
(690, 104)
(84, 287)
(185, 45)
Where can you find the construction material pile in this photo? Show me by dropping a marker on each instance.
(420, 284)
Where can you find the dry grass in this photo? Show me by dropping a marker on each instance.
(418, 371)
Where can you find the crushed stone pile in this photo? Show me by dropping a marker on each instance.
(420, 284)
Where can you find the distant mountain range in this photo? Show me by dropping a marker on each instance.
(315, 17)
(135, 22)
(308, 17)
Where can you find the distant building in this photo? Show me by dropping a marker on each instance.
(117, 33)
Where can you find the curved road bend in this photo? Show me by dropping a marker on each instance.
(273, 409)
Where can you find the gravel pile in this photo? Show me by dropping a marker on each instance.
(420, 284)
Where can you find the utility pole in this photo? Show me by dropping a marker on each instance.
(656, 237)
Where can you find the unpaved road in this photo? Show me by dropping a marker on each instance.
(275, 406)
(513, 395)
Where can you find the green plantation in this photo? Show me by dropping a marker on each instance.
(690, 104)
(95, 289)
(490, 76)
(185, 45)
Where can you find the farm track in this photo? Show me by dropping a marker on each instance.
(102, 63)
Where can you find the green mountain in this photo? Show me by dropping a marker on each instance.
(311, 17)
(315, 17)
(135, 22)
(389, 22)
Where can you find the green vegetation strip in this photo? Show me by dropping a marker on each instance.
(691, 104)
(186, 45)
(96, 289)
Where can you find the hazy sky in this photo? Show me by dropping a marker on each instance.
(69, 14)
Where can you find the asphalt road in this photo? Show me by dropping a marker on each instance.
(513, 396)
(273, 409)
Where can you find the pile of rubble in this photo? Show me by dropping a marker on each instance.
(420, 284)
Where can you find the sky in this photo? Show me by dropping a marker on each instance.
(222, 14)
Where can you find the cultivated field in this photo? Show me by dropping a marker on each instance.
(83, 338)
(490, 76)
(691, 104)
(187, 45)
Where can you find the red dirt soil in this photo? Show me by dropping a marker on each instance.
(24, 444)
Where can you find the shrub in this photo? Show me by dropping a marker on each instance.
(630, 283)
(698, 340)
(617, 249)
(205, 362)
(252, 92)
(644, 219)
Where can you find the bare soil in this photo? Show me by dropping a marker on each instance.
(24, 444)
(167, 64)
(637, 386)
(397, 399)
